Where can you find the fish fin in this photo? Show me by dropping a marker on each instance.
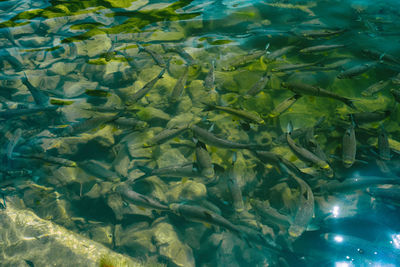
(160, 75)
(293, 158)
(141, 208)
(289, 127)
(184, 180)
(207, 225)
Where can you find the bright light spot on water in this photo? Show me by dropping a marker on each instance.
(396, 240)
(338, 238)
(343, 264)
(335, 211)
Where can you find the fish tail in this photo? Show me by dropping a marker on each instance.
(145, 169)
(141, 48)
(353, 123)
(208, 107)
(349, 103)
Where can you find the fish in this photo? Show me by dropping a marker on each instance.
(392, 194)
(312, 144)
(383, 145)
(277, 53)
(305, 89)
(11, 145)
(270, 215)
(375, 88)
(179, 87)
(356, 70)
(291, 67)
(132, 99)
(356, 183)
(377, 55)
(10, 113)
(212, 140)
(209, 81)
(349, 146)
(321, 48)
(156, 57)
(365, 117)
(203, 160)
(284, 106)
(130, 122)
(166, 135)
(181, 52)
(247, 59)
(321, 33)
(259, 85)
(83, 126)
(139, 199)
(96, 169)
(41, 99)
(305, 211)
(184, 170)
(202, 215)
(248, 116)
(236, 192)
(48, 158)
(306, 155)
(13, 61)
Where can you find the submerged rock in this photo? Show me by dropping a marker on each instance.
(26, 237)
(171, 247)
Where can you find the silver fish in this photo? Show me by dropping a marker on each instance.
(320, 48)
(375, 88)
(209, 81)
(156, 57)
(383, 145)
(200, 214)
(349, 147)
(356, 70)
(259, 85)
(305, 210)
(305, 89)
(144, 90)
(212, 140)
(139, 199)
(41, 99)
(306, 155)
(179, 87)
(203, 160)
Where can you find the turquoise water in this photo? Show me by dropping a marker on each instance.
(203, 133)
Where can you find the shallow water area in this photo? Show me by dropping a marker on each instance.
(199, 133)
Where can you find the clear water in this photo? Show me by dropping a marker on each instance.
(94, 140)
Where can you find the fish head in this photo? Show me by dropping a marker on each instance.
(347, 163)
(296, 230)
(174, 207)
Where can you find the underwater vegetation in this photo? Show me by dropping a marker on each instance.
(195, 133)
